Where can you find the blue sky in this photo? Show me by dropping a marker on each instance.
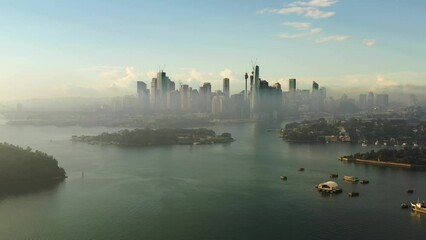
(100, 48)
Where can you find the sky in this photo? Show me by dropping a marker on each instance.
(82, 48)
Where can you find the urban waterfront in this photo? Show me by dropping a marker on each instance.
(225, 191)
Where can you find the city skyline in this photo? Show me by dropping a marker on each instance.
(100, 49)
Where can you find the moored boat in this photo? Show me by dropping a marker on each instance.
(334, 175)
(419, 207)
(350, 178)
(364, 181)
(329, 187)
(284, 178)
(353, 194)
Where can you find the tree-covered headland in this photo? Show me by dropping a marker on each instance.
(19, 165)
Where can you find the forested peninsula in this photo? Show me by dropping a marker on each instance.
(151, 137)
(19, 165)
(407, 157)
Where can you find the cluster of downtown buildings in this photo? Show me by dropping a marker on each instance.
(258, 100)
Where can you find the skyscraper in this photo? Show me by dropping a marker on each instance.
(292, 85)
(153, 95)
(163, 88)
(185, 97)
(382, 100)
(205, 96)
(226, 87)
(363, 101)
(370, 100)
(315, 87)
(143, 95)
(254, 91)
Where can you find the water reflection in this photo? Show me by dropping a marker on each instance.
(17, 190)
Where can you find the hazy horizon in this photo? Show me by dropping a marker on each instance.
(100, 49)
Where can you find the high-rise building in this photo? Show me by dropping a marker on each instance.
(205, 96)
(218, 104)
(245, 89)
(254, 91)
(292, 85)
(382, 100)
(163, 88)
(226, 87)
(363, 101)
(370, 100)
(315, 87)
(153, 95)
(185, 97)
(143, 96)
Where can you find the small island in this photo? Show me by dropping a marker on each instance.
(407, 157)
(24, 166)
(150, 137)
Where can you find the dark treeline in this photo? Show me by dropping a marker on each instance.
(308, 131)
(369, 131)
(407, 155)
(148, 137)
(19, 165)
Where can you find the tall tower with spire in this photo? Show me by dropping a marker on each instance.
(254, 92)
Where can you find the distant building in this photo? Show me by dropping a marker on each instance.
(226, 87)
(143, 96)
(363, 101)
(370, 100)
(218, 105)
(184, 97)
(382, 100)
(255, 85)
(315, 87)
(153, 95)
(205, 97)
(292, 85)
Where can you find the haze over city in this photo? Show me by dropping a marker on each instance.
(212, 119)
(97, 49)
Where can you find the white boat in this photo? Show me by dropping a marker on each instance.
(419, 207)
(350, 179)
(329, 187)
(364, 145)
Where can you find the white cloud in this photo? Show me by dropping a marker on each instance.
(333, 38)
(369, 42)
(315, 3)
(151, 74)
(301, 35)
(298, 25)
(309, 12)
(227, 73)
(308, 9)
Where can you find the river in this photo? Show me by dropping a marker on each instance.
(229, 191)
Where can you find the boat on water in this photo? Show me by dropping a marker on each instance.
(364, 181)
(351, 178)
(419, 207)
(334, 175)
(364, 145)
(353, 194)
(329, 187)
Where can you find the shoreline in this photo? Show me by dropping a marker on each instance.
(381, 163)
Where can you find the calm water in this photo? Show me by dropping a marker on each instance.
(230, 191)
